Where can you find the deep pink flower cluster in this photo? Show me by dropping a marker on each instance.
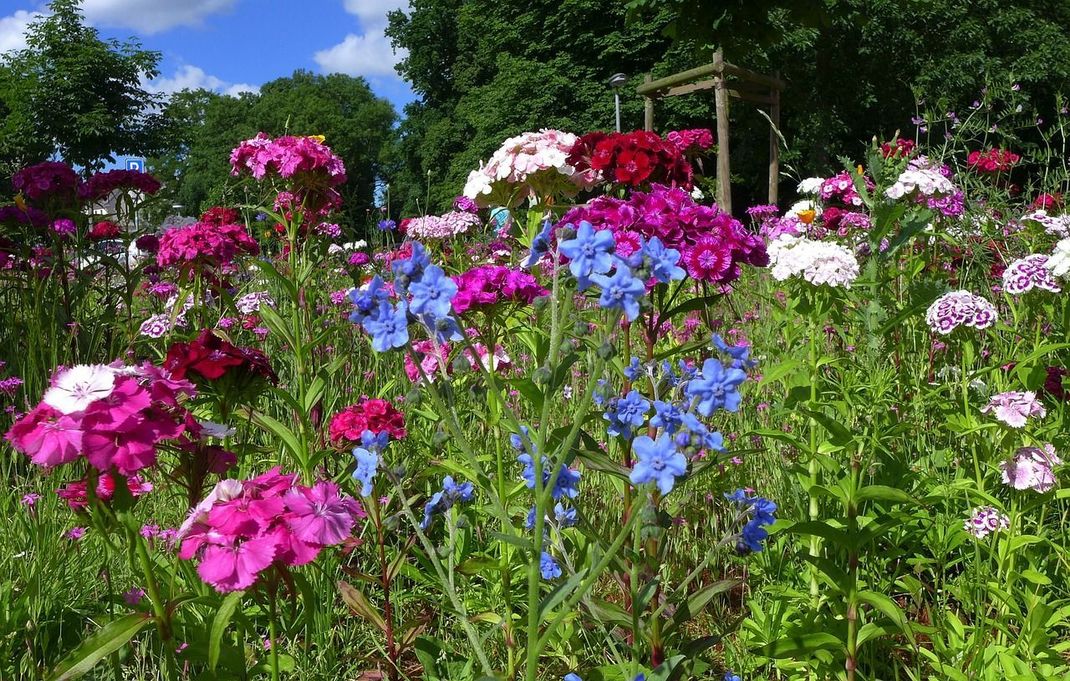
(213, 245)
(491, 284)
(376, 415)
(243, 528)
(28, 215)
(290, 157)
(840, 188)
(714, 245)
(100, 185)
(115, 416)
(691, 141)
(48, 180)
(435, 357)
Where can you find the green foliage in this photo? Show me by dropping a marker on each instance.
(72, 94)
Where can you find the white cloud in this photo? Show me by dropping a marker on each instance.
(190, 77)
(368, 53)
(13, 30)
(372, 13)
(152, 16)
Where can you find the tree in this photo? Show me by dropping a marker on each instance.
(71, 94)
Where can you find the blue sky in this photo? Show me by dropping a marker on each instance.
(235, 45)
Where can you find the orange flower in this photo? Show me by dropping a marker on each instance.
(807, 216)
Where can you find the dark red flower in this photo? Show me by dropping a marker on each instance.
(210, 357)
(219, 215)
(105, 229)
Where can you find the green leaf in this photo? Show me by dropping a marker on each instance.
(288, 437)
(840, 435)
(359, 604)
(219, 626)
(559, 594)
(821, 529)
(98, 646)
(887, 607)
(884, 493)
(799, 646)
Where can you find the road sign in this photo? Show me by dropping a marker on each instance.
(136, 164)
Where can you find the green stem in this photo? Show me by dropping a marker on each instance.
(815, 473)
(273, 633)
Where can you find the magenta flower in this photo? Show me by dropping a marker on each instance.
(321, 515)
(75, 533)
(236, 567)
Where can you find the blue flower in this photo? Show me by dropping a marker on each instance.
(667, 415)
(375, 442)
(740, 354)
(444, 329)
(564, 486)
(565, 517)
(367, 466)
(663, 261)
(716, 387)
(571, 677)
(621, 291)
(671, 378)
(443, 501)
(761, 512)
(601, 392)
(634, 369)
(657, 461)
(625, 413)
(389, 328)
(540, 245)
(731, 676)
(410, 269)
(387, 225)
(695, 436)
(432, 293)
(366, 301)
(549, 567)
(589, 253)
(523, 442)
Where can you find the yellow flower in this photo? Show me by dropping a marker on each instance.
(20, 201)
(318, 138)
(807, 216)
(859, 169)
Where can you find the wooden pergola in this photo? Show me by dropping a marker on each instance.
(728, 81)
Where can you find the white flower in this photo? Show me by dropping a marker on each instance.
(811, 185)
(818, 262)
(80, 386)
(219, 430)
(697, 194)
(1059, 261)
(335, 249)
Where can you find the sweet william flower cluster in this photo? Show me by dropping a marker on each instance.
(243, 528)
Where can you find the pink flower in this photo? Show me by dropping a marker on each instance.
(320, 515)
(236, 567)
(1014, 408)
(1031, 468)
(133, 595)
(75, 533)
(46, 436)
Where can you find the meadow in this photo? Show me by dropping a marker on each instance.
(583, 426)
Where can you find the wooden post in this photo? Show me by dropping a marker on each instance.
(724, 182)
(648, 107)
(774, 142)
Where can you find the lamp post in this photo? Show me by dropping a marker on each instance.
(617, 81)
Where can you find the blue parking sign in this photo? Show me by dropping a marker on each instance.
(136, 164)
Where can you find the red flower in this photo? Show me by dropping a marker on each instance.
(901, 148)
(218, 216)
(105, 229)
(992, 161)
(1048, 201)
(211, 358)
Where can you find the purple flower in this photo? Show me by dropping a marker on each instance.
(1014, 408)
(590, 252)
(984, 520)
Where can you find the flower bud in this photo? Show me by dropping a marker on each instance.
(606, 351)
(542, 376)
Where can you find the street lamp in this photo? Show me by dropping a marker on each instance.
(617, 81)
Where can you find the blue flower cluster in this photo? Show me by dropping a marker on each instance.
(442, 501)
(593, 260)
(367, 456)
(761, 512)
(425, 293)
(567, 479)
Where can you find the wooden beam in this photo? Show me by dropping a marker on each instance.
(724, 179)
(689, 88)
(751, 97)
(654, 86)
(648, 107)
(747, 74)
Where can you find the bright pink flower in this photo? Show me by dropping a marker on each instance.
(320, 515)
(235, 567)
(48, 437)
